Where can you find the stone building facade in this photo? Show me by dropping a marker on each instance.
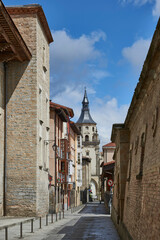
(90, 143)
(26, 105)
(136, 196)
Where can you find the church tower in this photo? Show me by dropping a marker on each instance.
(90, 143)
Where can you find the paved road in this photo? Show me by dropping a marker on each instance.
(91, 223)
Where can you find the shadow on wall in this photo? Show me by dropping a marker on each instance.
(14, 73)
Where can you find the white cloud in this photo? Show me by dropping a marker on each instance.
(74, 60)
(156, 9)
(136, 2)
(104, 111)
(136, 53)
(156, 5)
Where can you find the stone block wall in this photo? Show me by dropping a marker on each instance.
(1, 135)
(27, 179)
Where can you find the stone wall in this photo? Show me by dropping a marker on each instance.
(27, 178)
(1, 135)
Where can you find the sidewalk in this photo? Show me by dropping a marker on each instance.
(32, 228)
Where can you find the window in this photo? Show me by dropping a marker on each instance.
(143, 139)
(87, 153)
(79, 128)
(79, 145)
(47, 111)
(87, 127)
(93, 129)
(79, 158)
(40, 152)
(86, 138)
(40, 103)
(62, 166)
(130, 165)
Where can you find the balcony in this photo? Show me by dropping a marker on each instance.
(94, 143)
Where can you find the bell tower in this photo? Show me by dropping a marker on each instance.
(90, 143)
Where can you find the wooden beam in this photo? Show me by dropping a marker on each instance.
(2, 32)
(4, 46)
(6, 56)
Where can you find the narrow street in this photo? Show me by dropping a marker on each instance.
(92, 222)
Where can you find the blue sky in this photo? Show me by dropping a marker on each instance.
(101, 45)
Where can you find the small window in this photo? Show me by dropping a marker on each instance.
(87, 153)
(79, 128)
(79, 145)
(87, 127)
(86, 138)
(93, 129)
(79, 158)
(62, 166)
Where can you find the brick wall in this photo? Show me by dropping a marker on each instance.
(141, 214)
(1, 135)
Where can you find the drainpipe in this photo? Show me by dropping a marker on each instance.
(55, 160)
(5, 141)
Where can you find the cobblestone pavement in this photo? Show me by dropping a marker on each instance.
(91, 222)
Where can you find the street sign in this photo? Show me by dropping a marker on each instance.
(110, 182)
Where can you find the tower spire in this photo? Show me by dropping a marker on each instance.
(85, 116)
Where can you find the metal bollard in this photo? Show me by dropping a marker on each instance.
(31, 225)
(47, 220)
(40, 222)
(6, 233)
(56, 217)
(52, 218)
(21, 230)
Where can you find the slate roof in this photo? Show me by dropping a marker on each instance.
(85, 116)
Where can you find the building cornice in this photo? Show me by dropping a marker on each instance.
(32, 9)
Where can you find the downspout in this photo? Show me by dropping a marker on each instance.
(5, 141)
(55, 160)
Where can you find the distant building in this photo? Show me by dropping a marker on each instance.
(65, 168)
(90, 143)
(107, 166)
(24, 110)
(108, 151)
(58, 157)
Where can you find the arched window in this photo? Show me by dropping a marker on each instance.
(86, 138)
